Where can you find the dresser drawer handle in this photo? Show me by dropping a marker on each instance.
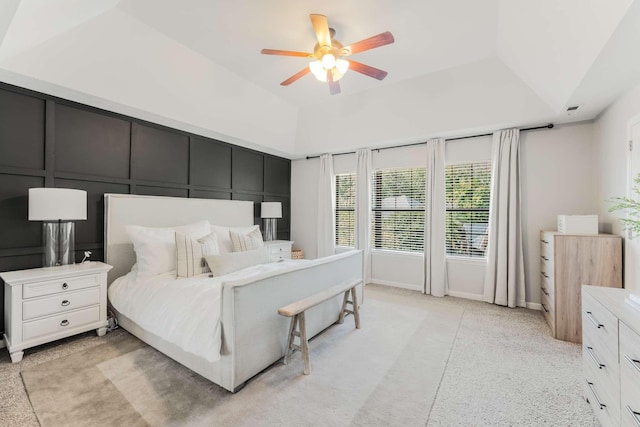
(544, 291)
(544, 308)
(64, 323)
(544, 257)
(594, 358)
(634, 362)
(544, 241)
(593, 320)
(65, 303)
(544, 274)
(600, 404)
(635, 416)
(65, 286)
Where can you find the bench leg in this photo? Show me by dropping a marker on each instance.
(304, 344)
(356, 310)
(344, 310)
(292, 329)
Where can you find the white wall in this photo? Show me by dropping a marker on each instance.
(557, 179)
(610, 168)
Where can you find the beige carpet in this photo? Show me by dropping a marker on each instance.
(417, 360)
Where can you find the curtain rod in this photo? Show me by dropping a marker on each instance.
(549, 126)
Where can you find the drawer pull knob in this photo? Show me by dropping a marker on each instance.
(634, 362)
(544, 257)
(593, 320)
(635, 416)
(65, 286)
(544, 291)
(64, 323)
(65, 303)
(544, 241)
(592, 354)
(544, 308)
(544, 274)
(600, 404)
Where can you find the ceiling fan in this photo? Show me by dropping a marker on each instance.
(329, 63)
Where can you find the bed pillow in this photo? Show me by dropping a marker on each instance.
(246, 241)
(190, 253)
(228, 263)
(156, 247)
(224, 240)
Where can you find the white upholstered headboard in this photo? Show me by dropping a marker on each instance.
(121, 210)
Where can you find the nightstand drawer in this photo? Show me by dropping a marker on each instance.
(34, 308)
(38, 289)
(60, 323)
(278, 249)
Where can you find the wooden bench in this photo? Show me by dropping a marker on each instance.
(296, 312)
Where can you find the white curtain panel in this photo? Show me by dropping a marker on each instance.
(505, 279)
(435, 260)
(363, 209)
(326, 208)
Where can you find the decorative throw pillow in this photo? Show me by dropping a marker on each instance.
(228, 263)
(156, 247)
(190, 253)
(224, 240)
(246, 241)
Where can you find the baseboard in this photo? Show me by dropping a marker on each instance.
(396, 284)
(466, 295)
(534, 306)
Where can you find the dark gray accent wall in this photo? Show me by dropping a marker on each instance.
(51, 142)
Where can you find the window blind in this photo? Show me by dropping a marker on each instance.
(345, 209)
(398, 209)
(468, 189)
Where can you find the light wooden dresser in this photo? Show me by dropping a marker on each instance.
(611, 356)
(568, 261)
(46, 304)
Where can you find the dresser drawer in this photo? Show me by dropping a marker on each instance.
(38, 289)
(278, 249)
(599, 326)
(629, 376)
(604, 406)
(546, 288)
(601, 367)
(548, 312)
(546, 245)
(59, 303)
(60, 323)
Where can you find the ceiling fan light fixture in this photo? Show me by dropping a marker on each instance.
(328, 61)
(318, 70)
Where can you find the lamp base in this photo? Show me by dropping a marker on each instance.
(270, 229)
(59, 243)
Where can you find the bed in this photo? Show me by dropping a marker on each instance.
(248, 332)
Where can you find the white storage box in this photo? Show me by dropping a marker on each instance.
(578, 224)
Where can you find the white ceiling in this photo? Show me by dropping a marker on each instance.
(457, 66)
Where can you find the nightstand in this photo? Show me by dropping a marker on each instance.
(46, 304)
(278, 249)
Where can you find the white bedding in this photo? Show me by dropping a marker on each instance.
(184, 311)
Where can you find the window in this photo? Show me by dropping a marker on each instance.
(397, 200)
(345, 209)
(468, 187)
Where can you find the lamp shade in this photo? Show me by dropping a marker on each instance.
(52, 204)
(271, 210)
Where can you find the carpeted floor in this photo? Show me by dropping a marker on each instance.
(417, 361)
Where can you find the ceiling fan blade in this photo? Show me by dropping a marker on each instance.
(371, 43)
(367, 70)
(334, 86)
(321, 28)
(285, 53)
(296, 76)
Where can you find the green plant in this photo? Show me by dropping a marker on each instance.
(631, 207)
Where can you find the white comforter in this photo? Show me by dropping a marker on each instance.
(185, 312)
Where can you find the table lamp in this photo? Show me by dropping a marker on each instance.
(57, 208)
(270, 211)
